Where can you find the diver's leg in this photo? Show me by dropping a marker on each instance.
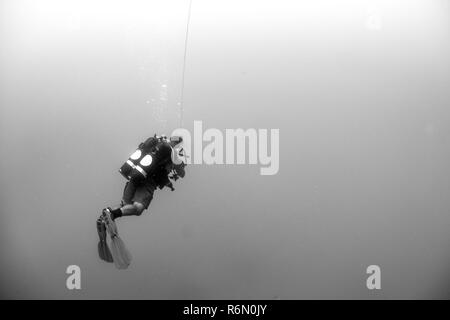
(142, 197)
(136, 199)
(134, 209)
(127, 201)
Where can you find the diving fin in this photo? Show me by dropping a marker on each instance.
(119, 252)
(103, 249)
(121, 255)
(103, 252)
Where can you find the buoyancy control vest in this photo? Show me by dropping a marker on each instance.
(149, 157)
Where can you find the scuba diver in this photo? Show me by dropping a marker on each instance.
(153, 165)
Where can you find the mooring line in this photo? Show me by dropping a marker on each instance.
(184, 65)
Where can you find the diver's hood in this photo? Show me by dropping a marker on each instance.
(177, 150)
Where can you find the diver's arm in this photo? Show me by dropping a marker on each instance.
(179, 169)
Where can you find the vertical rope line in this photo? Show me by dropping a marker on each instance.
(184, 65)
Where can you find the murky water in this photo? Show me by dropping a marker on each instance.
(359, 91)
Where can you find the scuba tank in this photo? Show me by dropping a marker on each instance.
(148, 157)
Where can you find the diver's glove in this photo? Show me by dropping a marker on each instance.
(179, 170)
(170, 185)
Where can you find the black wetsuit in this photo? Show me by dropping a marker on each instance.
(143, 192)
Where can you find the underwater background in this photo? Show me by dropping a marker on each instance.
(358, 89)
